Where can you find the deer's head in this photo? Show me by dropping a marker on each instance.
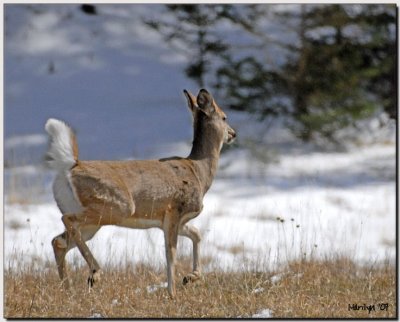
(206, 113)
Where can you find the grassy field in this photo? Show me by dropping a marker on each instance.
(335, 288)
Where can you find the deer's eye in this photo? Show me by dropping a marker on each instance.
(224, 118)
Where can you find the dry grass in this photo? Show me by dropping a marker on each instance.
(303, 289)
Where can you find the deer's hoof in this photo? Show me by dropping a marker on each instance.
(94, 277)
(192, 277)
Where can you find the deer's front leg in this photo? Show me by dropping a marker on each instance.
(194, 235)
(170, 228)
(74, 226)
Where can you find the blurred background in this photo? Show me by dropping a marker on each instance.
(311, 90)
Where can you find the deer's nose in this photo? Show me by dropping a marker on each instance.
(231, 135)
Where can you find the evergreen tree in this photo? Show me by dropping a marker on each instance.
(380, 53)
(248, 85)
(326, 81)
(193, 27)
(339, 69)
(249, 78)
(322, 67)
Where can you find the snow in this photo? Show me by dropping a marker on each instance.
(349, 212)
(276, 278)
(258, 290)
(154, 288)
(265, 313)
(25, 140)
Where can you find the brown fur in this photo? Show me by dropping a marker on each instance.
(75, 151)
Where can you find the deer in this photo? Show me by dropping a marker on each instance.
(166, 193)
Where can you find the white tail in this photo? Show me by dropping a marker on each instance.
(164, 193)
(63, 151)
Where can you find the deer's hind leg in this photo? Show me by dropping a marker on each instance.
(193, 234)
(77, 227)
(62, 244)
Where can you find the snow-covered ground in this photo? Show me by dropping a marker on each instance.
(315, 204)
(121, 88)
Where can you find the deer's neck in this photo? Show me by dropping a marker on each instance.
(205, 152)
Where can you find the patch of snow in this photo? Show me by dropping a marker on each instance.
(265, 313)
(25, 140)
(25, 170)
(276, 278)
(299, 275)
(258, 290)
(47, 36)
(154, 288)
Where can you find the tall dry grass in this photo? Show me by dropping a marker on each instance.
(305, 288)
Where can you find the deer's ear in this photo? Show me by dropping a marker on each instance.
(205, 102)
(191, 100)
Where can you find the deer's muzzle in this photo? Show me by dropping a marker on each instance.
(231, 136)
